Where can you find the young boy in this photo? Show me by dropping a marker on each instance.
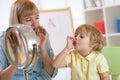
(83, 55)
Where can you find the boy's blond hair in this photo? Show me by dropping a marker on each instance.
(96, 37)
(21, 8)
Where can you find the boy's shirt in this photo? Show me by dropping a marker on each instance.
(86, 68)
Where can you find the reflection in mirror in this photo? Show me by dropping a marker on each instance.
(16, 47)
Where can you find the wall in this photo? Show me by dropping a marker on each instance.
(75, 5)
(4, 15)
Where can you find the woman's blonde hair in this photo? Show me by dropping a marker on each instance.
(22, 8)
(95, 35)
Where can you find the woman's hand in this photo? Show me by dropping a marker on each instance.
(41, 33)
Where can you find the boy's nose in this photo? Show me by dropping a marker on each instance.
(76, 37)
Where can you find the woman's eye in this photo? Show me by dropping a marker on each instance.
(28, 20)
(37, 17)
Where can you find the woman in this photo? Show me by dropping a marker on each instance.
(26, 12)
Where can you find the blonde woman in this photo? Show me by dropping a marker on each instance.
(26, 12)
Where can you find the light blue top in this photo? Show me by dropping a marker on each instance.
(38, 73)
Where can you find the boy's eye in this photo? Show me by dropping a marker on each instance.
(81, 36)
(75, 36)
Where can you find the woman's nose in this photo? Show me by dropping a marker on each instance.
(33, 24)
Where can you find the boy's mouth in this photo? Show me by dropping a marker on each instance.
(74, 43)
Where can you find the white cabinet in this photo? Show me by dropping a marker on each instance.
(109, 14)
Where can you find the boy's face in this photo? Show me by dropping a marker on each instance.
(32, 20)
(82, 42)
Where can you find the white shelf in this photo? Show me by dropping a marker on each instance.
(92, 9)
(114, 34)
(109, 14)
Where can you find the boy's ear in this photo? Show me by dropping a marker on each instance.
(93, 45)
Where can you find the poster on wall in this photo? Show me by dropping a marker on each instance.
(59, 24)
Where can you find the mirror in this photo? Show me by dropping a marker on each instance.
(21, 46)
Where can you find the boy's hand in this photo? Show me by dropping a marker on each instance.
(70, 41)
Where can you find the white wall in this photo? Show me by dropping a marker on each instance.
(77, 13)
(75, 5)
(4, 13)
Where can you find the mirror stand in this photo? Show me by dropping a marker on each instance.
(25, 75)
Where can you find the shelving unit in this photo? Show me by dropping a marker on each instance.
(109, 14)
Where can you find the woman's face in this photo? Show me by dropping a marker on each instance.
(32, 20)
